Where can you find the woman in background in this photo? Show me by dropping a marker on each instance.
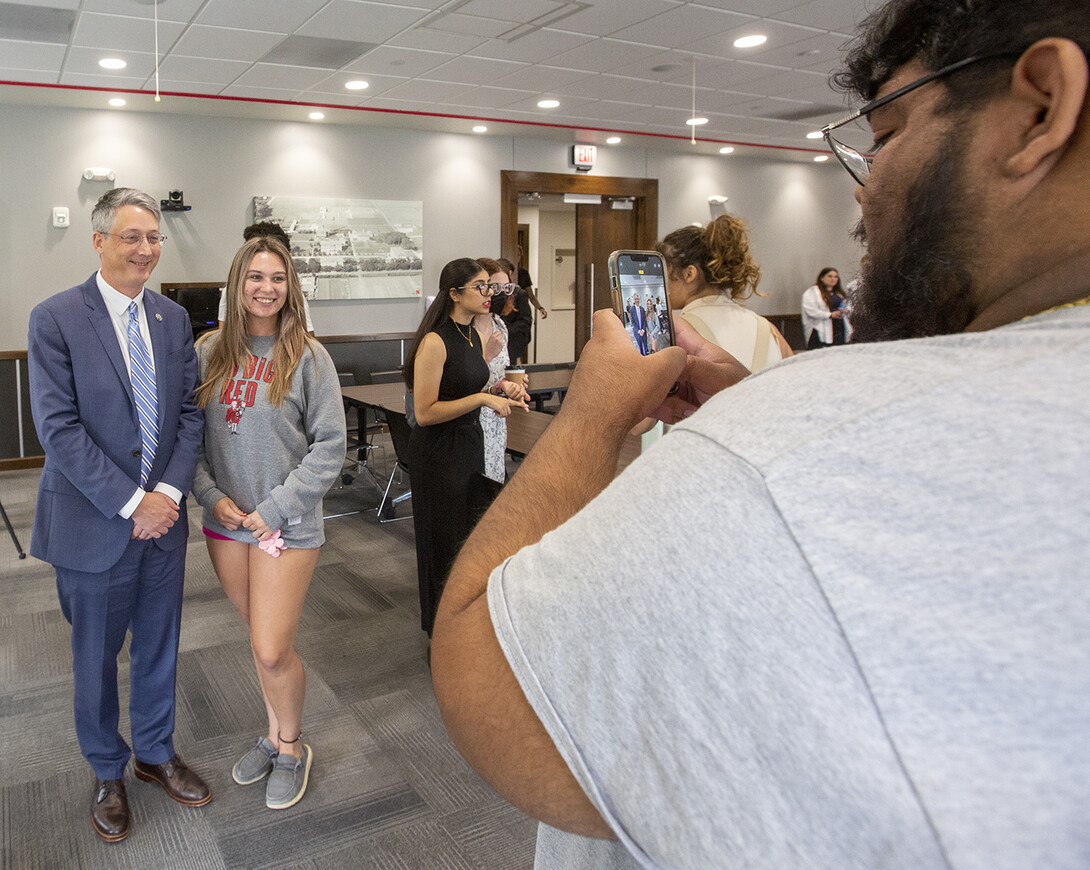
(652, 324)
(516, 314)
(709, 270)
(274, 442)
(493, 330)
(448, 375)
(825, 311)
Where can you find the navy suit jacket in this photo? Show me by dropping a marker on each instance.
(85, 415)
(638, 317)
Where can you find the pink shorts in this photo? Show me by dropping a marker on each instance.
(216, 536)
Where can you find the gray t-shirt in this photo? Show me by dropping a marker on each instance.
(861, 635)
(277, 461)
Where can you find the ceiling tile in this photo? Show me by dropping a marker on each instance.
(366, 22)
(839, 15)
(423, 90)
(30, 55)
(604, 19)
(36, 76)
(535, 47)
(123, 32)
(227, 43)
(92, 80)
(255, 93)
(467, 25)
(52, 4)
(680, 26)
(757, 8)
(199, 69)
(495, 98)
(175, 10)
(85, 61)
(433, 40)
(275, 15)
(407, 62)
(604, 55)
(335, 84)
(780, 36)
(271, 75)
(476, 70)
(540, 78)
(524, 10)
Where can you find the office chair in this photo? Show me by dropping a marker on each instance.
(399, 434)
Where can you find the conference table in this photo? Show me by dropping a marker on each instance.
(523, 427)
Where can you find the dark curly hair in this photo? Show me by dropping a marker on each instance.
(720, 251)
(938, 33)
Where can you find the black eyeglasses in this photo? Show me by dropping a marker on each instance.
(857, 164)
(486, 289)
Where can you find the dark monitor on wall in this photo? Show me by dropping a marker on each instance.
(201, 300)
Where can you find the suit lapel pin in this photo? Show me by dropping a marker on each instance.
(159, 317)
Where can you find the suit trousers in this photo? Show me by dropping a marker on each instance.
(141, 593)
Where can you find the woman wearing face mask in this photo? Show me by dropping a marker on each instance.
(274, 442)
(447, 371)
(825, 311)
(709, 271)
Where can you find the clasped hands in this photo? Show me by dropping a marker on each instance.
(514, 396)
(231, 517)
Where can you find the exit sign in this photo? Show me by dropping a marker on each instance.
(582, 157)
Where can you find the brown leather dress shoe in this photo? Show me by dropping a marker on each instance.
(110, 810)
(177, 780)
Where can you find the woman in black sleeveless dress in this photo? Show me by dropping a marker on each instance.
(447, 373)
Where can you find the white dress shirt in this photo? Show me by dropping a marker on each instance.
(117, 303)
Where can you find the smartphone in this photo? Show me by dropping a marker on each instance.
(637, 280)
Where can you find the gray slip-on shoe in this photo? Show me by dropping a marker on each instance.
(288, 780)
(256, 764)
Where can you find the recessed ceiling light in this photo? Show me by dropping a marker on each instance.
(751, 41)
(726, 149)
(117, 101)
(613, 140)
(548, 104)
(814, 134)
(821, 158)
(696, 122)
(480, 128)
(316, 116)
(356, 85)
(112, 63)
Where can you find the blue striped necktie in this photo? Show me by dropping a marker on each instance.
(143, 389)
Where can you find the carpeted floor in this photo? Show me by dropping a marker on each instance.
(388, 790)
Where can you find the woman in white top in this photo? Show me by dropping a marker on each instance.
(493, 332)
(709, 271)
(825, 311)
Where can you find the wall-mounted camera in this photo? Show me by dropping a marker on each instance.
(175, 201)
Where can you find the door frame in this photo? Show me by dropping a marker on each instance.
(513, 182)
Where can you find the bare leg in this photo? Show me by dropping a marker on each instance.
(231, 561)
(278, 588)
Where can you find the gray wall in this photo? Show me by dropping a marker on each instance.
(799, 213)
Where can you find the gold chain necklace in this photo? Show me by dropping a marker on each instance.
(1084, 301)
(469, 337)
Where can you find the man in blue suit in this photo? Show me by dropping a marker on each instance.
(112, 372)
(638, 319)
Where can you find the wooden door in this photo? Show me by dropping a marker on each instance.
(599, 230)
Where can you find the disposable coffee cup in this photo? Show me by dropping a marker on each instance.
(516, 375)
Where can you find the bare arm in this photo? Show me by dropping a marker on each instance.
(431, 356)
(483, 706)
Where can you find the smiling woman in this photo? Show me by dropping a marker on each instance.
(274, 442)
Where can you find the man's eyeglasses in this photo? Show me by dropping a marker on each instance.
(858, 164)
(134, 239)
(486, 289)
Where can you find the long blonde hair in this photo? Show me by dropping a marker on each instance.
(233, 348)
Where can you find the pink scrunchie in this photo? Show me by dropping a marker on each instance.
(272, 544)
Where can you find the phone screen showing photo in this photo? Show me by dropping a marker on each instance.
(639, 299)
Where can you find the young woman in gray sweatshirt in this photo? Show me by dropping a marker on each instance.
(274, 442)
